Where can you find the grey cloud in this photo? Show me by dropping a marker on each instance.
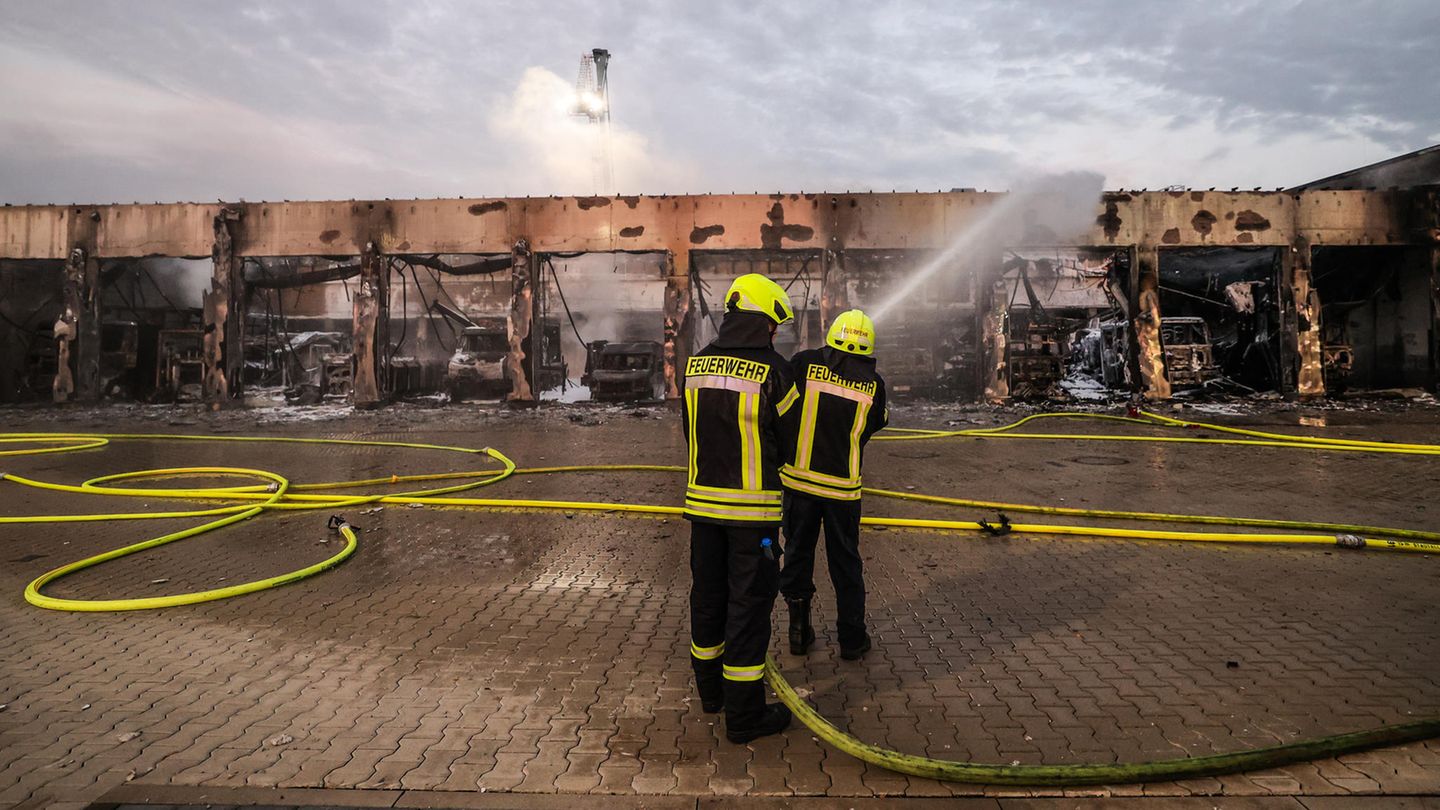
(1320, 61)
(756, 96)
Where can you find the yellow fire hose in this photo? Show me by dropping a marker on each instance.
(275, 495)
(278, 493)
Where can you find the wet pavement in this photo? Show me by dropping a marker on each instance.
(538, 653)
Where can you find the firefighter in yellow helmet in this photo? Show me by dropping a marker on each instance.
(737, 389)
(842, 404)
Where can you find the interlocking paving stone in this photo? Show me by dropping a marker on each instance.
(538, 653)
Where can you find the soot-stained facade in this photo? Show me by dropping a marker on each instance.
(1296, 292)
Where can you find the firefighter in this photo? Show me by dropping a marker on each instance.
(842, 404)
(736, 391)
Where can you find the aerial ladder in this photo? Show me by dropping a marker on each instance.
(592, 102)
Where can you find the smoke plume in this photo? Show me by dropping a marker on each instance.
(557, 151)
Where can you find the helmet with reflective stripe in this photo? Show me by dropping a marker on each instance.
(852, 332)
(753, 292)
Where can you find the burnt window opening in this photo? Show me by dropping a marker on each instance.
(799, 272)
(604, 325)
(139, 300)
(448, 326)
(928, 345)
(1376, 322)
(31, 300)
(488, 343)
(449, 317)
(152, 305)
(625, 362)
(298, 322)
(1220, 318)
(299, 338)
(1064, 318)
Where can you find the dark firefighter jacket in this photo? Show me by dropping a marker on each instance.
(736, 391)
(842, 404)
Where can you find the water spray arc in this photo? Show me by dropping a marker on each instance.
(965, 242)
(1053, 208)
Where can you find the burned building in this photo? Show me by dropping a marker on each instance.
(1321, 288)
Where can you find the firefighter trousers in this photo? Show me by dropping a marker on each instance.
(732, 591)
(804, 518)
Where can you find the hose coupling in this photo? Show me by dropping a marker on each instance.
(1349, 541)
(338, 522)
(273, 487)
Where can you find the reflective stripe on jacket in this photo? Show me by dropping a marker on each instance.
(734, 399)
(842, 404)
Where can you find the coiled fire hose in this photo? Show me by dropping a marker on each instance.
(277, 493)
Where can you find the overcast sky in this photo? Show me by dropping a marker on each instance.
(195, 100)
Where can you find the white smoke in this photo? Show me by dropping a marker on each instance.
(612, 297)
(556, 152)
(1061, 206)
(182, 282)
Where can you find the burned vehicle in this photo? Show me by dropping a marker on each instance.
(624, 372)
(315, 365)
(478, 369)
(1189, 353)
(1337, 356)
(179, 364)
(1036, 360)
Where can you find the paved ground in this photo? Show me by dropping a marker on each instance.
(467, 651)
(131, 797)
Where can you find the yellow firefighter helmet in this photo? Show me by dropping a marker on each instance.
(852, 332)
(753, 292)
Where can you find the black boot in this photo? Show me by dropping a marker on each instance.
(710, 682)
(802, 635)
(855, 650)
(747, 717)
